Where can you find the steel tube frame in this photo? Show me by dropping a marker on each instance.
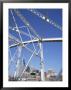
(41, 62)
(37, 40)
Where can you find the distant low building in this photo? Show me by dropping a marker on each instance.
(51, 75)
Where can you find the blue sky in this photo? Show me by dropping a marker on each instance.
(52, 50)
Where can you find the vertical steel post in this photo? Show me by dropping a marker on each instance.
(18, 66)
(42, 62)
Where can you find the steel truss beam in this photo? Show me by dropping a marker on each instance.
(38, 40)
(27, 24)
(22, 32)
(45, 18)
